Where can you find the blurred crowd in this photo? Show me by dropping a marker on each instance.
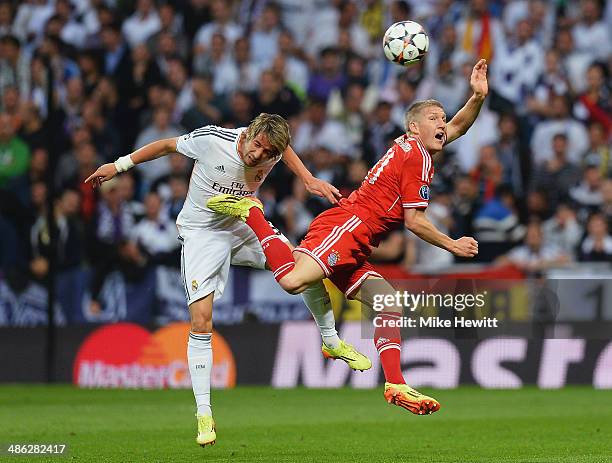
(85, 81)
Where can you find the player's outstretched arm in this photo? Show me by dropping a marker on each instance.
(313, 185)
(417, 222)
(148, 152)
(466, 116)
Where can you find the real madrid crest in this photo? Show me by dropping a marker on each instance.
(194, 285)
(333, 258)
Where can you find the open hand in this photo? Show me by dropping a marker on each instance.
(323, 189)
(478, 79)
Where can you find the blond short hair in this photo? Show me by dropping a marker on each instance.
(415, 109)
(275, 128)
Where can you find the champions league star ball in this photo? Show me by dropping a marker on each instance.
(405, 43)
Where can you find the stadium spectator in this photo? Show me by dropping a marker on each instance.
(560, 122)
(6, 18)
(381, 131)
(329, 75)
(205, 109)
(511, 153)
(587, 194)
(479, 33)
(599, 148)
(126, 185)
(448, 85)
(274, 97)
(488, 173)
(248, 67)
(14, 65)
(552, 81)
(178, 186)
(117, 61)
(597, 245)
(264, 37)
(160, 128)
(518, 67)
(68, 251)
(496, 225)
(349, 113)
(535, 255)
(14, 153)
(170, 39)
(155, 235)
(317, 130)
(240, 112)
(143, 23)
(145, 73)
(104, 133)
(295, 70)
(195, 13)
(575, 62)
(222, 23)
(483, 132)
(73, 31)
(76, 168)
(595, 103)
(220, 65)
(590, 33)
(563, 230)
(557, 175)
(465, 204)
(406, 95)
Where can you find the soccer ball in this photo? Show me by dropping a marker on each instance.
(405, 43)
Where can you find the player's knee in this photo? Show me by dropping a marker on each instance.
(292, 284)
(201, 318)
(201, 324)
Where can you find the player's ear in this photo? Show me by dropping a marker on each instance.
(413, 128)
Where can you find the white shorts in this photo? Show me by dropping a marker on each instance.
(207, 254)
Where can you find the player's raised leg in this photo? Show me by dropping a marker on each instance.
(301, 275)
(248, 209)
(200, 359)
(387, 339)
(317, 300)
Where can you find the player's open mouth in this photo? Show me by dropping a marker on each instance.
(440, 136)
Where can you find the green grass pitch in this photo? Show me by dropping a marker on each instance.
(256, 424)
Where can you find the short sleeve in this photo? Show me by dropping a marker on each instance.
(193, 144)
(414, 180)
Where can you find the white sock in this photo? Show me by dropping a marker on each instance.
(317, 300)
(200, 358)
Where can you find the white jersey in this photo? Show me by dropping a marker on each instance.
(218, 169)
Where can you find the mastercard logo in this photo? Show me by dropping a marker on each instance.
(126, 355)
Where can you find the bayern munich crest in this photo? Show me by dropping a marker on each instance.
(333, 258)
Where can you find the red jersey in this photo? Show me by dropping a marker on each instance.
(399, 180)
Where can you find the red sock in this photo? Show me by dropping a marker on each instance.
(388, 343)
(278, 254)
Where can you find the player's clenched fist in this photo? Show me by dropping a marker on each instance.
(465, 247)
(102, 174)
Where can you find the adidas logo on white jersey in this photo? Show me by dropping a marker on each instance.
(220, 168)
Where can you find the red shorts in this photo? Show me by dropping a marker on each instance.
(339, 242)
